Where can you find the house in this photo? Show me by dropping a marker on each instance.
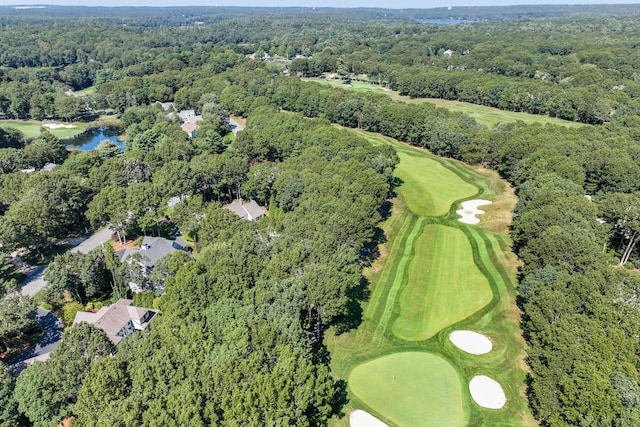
(190, 129)
(189, 116)
(148, 254)
(118, 320)
(250, 211)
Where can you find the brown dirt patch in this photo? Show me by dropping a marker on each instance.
(117, 246)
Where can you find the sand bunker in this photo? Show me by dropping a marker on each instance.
(471, 342)
(57, 126)
(487, 392)
(470, 210)
(360, 418)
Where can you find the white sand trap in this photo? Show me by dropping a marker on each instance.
(471, 342)
(57, 126)
(487, 392)
(470, 210)
(360, 418)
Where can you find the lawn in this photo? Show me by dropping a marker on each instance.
(435, 275)
(411, 389)
(31, 128)
(487, 116)
(443, 284)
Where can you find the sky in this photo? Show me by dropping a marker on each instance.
(391, 4)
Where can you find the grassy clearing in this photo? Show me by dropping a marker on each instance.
(412, 389)
(31, 128)
(421, 244)
(443, 285)
(486, 116)
(87, 91)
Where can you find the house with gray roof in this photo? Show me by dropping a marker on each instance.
(148, 254)
(249, 211)
(189, 116)
(118, 320)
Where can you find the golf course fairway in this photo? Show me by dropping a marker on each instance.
(443, 286)
(428, 187)
(436, 275)
(412, 389)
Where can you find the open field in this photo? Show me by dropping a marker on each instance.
(443, 285)
(486, 116)
(412, 389)
(426, 247)
(31, 128)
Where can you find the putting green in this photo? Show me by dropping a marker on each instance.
(429, 188)
(411, 389)
(443, 284)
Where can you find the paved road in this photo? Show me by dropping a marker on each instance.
(235, 126)
(35, 278)
(51, 325)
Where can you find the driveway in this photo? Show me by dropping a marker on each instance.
(235, 126)
(51, 325)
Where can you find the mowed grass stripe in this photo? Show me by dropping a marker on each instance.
(396, 282)
(396, 247)
(412, 389)
(444, 285)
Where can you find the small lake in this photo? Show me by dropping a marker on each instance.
(90, 140)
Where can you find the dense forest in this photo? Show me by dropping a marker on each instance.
(240, 338)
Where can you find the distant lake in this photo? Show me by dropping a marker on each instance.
(443, 21)
(90, 140)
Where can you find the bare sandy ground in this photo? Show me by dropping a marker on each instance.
(486, 392)
(359, 418)
(471, 342)
(57, 126)
(470, 210)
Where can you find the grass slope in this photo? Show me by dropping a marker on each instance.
(486, 116)
(413, 389)
(444, 285)
(31, 128)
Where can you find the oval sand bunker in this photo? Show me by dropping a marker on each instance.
(471, 342)
(470, 210)
(487, 392)
(359, 418)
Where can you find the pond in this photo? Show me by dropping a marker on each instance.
(90, 140)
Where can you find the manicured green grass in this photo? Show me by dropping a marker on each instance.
(31, 128)
(436, 275)
(486, 116)
(427, 186)
(411, 389)
(443, 285)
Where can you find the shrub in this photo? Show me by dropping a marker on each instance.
(69, 312)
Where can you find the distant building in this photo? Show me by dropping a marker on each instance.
(118, 320)
(250, 211)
